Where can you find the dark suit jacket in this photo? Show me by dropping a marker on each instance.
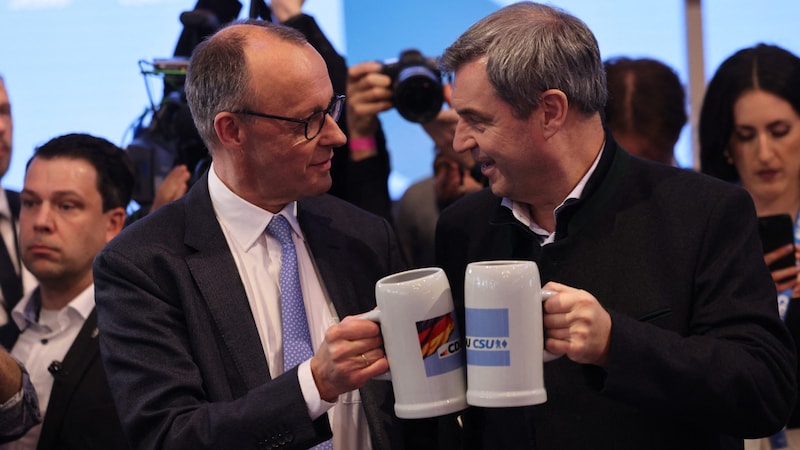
(181, 346)
(698, 353)
(80, 413)
(13, 204)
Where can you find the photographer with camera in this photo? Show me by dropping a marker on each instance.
(412, 85)
(368, 93)
(454, 175)
(364, 178)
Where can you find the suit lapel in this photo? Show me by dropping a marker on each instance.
(13, 203)
(81, 355)
(331, 249)
(14, 296)
(214, 270)
(328, 249)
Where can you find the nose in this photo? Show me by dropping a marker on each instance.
(462, 140)
(331, 134)
(42, 217)
(764, 147)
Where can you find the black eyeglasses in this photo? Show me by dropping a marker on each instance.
(313, 123)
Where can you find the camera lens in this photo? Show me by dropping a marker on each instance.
(416, 85)
(418, 96)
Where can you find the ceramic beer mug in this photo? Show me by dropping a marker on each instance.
(422, 341)
(504, 334)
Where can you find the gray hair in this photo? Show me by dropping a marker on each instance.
(218, 78)
(530, 48)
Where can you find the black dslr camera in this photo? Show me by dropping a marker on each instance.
(417, 85)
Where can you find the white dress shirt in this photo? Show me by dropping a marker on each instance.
(258, 256)
(45, 337)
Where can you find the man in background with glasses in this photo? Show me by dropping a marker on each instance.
(192, 299)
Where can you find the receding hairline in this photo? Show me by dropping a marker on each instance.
(246, 31)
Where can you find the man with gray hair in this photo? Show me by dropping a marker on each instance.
(664, 311)
(201, 304)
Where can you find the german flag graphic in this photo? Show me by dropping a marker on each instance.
(435, 332)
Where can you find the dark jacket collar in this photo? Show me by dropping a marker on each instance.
(600, 189)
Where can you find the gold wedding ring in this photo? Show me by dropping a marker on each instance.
(366, 363)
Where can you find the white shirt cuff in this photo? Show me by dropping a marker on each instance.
(315, 404)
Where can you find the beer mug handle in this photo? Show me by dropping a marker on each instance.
(547, 356)
(375, 316)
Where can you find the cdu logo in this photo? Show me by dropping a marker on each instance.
(449, 348)
(487, 337)
(440, 343)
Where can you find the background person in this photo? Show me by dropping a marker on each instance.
(74, 196)
(646, 108)
(664, 311)
(750, 135)
(14, 279)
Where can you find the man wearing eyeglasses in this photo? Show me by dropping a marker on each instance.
(191, 298)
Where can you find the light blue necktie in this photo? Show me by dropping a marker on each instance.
(296, 338)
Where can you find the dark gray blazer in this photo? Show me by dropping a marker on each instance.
(180, 344)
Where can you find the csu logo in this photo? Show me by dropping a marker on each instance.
(486, 343)
(487, 337)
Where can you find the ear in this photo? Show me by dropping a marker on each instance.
(554, 107)
(447, 91)
(116, 221)
(227, 127)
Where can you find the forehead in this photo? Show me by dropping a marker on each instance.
(472, 91)
(755, 105)
(61, 174)
(470, 75)
(286, 73)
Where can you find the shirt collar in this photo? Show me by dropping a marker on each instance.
(522, 212)
(27, 310)
(245, 221)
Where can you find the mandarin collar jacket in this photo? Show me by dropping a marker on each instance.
(698, 356)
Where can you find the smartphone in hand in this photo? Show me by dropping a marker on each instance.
(776, 231)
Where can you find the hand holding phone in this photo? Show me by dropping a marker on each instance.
(777, 233)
